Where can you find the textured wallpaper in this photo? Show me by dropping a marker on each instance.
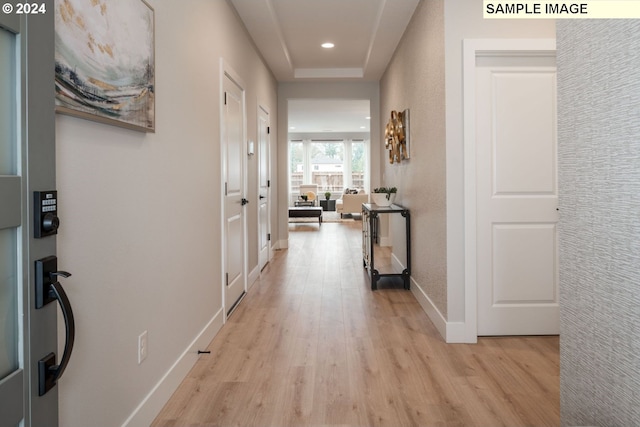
(415, 80)
(599, 168)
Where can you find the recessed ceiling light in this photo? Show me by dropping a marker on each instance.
(292, 127)
(363, 127)
(368, 118)
(327, 45)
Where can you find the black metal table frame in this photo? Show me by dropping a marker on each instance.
(370, 213)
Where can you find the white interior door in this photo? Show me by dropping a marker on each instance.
(517, 195)
(233, 177)
(264, 190)
(27, 163)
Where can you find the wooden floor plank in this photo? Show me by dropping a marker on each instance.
(312, 345)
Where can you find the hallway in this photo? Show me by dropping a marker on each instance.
(311, 344)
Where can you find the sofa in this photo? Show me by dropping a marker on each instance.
(351, 203)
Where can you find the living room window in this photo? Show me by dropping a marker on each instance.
(358, 163)
(331, 164)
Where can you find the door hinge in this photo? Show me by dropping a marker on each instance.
(268, 183)
(227, 278)
(268, 237)
(268, 129)
(225, 98)
(225, 189)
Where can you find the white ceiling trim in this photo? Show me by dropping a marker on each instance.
(279, 33)
(328, 73)
(372, 38)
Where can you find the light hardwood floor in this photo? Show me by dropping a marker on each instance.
(312, 345)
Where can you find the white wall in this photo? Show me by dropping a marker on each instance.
(141, 221)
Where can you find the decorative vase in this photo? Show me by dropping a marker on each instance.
(380, 199)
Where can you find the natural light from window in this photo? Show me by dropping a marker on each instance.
(332, 159)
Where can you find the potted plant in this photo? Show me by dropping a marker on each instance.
(384, 196)
(327, 195)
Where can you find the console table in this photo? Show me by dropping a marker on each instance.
(370, 214)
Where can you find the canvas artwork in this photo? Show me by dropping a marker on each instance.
(105, 63)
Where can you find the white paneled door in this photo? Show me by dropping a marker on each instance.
(233, 137)
(517, 194)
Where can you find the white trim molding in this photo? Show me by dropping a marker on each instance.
(472, 49)
(452, 332)
(254, 275)
(151, 405)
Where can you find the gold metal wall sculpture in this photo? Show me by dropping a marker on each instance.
(396, 136)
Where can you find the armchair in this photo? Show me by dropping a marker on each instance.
(351, 203)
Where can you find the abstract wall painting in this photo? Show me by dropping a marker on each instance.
(105, 61)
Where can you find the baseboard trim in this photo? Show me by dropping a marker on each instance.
(451, 332)
(429, 307)
(456, 333)
(151, 405)
(254, 275)
(283, 244)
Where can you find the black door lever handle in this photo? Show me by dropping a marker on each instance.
(53, 274)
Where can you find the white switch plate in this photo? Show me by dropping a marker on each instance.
(143, 347)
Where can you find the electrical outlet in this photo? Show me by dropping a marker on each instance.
(143, 347)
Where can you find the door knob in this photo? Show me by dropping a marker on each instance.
(244, 201)
(50, 223)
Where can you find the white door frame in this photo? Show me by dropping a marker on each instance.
(264, 110)
(472, 49)
(226, 70)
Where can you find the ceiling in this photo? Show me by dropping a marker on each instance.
(328, 116)
(289, 34)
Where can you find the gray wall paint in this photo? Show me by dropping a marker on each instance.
(599, 166)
